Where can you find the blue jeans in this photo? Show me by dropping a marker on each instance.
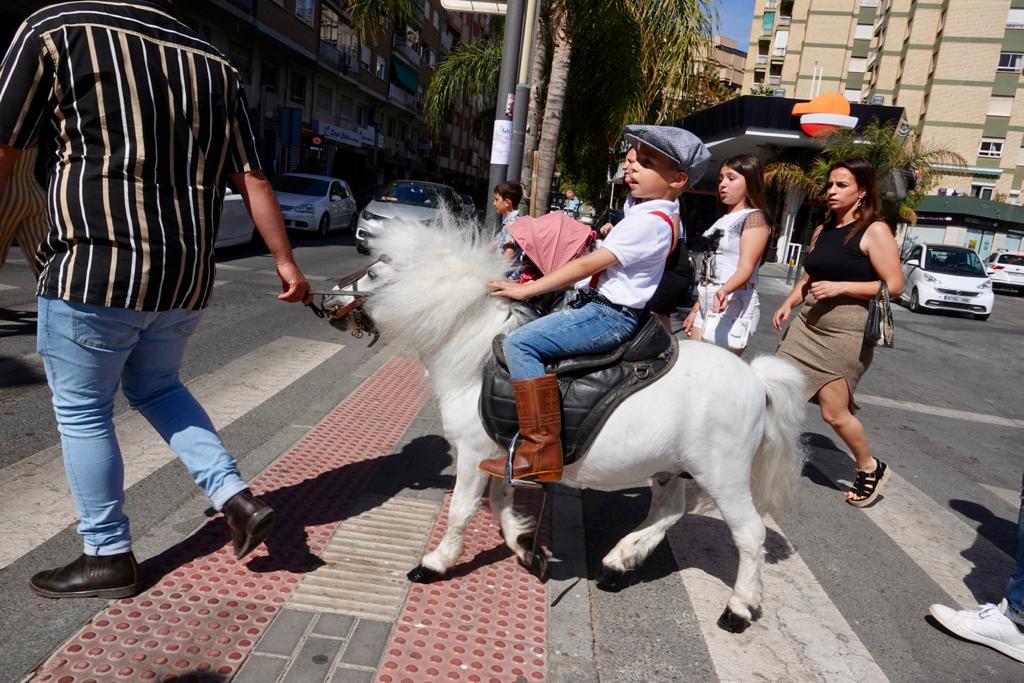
(1015, 589)
(593, 328)
(87, 351)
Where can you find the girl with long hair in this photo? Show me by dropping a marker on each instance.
(851, 254)
(727, 309)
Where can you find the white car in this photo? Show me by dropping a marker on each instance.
(940, 276)
(315, 202)
(411, 200)
(236, 226)
(1006, 270)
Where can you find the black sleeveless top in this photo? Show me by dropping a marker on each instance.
(835, 261)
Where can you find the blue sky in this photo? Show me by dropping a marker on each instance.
(735, 17)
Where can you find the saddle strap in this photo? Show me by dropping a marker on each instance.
(671, 248)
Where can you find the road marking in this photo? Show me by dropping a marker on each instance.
(4, 288)
(944, 547)
(1009, 495)
(218, 283)
(231, 266)
(801, 635)
(940, 412)
(34, 500)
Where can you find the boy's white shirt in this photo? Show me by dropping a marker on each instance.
(641, 243)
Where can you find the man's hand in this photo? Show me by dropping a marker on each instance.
(605, 229)
(294, 286)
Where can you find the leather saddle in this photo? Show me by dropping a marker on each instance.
(592, 386)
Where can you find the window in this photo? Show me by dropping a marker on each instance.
(991, 148)
(345, 107)
(360, 115)
(982, 191)
(1010, 61)
(863, 32)
(851, 95)
(324, 99)
(1000, 106)
(1015, 199)
(241, 58)
(1015, 19)
(381, 69)
(858, 65)
(305, 10)
(767, 22)
(297, 92)
(269, 78)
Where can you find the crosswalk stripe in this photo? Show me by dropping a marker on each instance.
(231, 266)
(34, 500)
(940, 412)
(1010, 496)
(800, 635)
(4, 287)
(944, 547)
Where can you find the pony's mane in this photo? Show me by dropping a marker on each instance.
(437, 284)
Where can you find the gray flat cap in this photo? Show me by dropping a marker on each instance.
(679, 145)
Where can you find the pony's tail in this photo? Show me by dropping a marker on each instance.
(775, 471)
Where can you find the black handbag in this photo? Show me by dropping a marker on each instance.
(879, 330)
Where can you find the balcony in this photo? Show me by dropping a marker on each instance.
(771, 4)
(762, 60)
(778, 52)
(409, 51)
(766, 32)
(785, 21)
(338, 60)
(774, 80)
(401, 96)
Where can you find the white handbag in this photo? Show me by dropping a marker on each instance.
(728, 328)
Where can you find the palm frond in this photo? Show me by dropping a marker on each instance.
(371, 17)
(470, 70)
(790, 176)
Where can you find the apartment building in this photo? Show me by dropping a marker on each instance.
(954, 66)
(324, 101)
(731, 62)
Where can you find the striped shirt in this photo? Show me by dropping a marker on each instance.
(144, 120)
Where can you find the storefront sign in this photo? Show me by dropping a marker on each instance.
(340, 135)
(367, 135)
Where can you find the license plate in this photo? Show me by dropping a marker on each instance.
(956, 299)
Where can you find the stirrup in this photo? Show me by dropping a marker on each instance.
(518, 483)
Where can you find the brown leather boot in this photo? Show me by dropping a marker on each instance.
(109, 576)
(250, 521)
(539, 453)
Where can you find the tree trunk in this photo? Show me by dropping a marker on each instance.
(540, 54)
(548, 147)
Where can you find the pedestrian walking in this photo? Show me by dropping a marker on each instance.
(148, 122)
(727, 309)
(23, 212)
(850, 256)
(507, 196)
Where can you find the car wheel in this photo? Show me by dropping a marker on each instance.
(981, 316)
(325, 226)
(914, 305)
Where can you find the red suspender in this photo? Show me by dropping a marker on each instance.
(672, 247)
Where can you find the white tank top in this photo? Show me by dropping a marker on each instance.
(726, 259)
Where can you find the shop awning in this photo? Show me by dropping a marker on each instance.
(405, 75)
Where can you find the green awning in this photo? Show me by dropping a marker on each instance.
(405, 75)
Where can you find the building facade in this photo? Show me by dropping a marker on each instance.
(954, 66)
(324, 101)
(731, 62)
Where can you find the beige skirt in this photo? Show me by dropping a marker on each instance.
(826, 342)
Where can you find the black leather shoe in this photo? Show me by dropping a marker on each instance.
(111, 576)
(250, 521)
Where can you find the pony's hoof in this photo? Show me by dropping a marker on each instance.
(421, 574)
(732, 622)
(611, 580)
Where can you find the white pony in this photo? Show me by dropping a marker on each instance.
(733, 427)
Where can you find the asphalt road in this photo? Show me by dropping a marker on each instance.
(943, 408)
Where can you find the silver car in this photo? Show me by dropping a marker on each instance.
(315, 202)
(413, 200)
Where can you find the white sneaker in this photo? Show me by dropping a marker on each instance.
(987, 625)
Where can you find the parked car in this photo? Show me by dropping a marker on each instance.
(468, 206)
(940, 276)
(1006, 270)
(414, 200)
(315, 202)
(236, 226)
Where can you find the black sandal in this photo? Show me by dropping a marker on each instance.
(868, 485)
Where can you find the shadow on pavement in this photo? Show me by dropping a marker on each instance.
(17, 323)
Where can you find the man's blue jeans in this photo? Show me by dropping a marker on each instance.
(593, 328)
(1015, 589)
(87, 351)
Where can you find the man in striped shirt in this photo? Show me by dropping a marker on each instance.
(144, 122)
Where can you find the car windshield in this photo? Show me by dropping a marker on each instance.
(1011, 260)
(294, 184)
(954, 262)
(413, 194)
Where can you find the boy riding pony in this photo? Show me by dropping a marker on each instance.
(616, 281)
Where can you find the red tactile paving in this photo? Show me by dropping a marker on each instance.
(208, 610)
(485, 622)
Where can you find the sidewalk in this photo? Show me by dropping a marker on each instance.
(359, 499)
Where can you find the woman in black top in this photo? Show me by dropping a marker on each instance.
(849, 255)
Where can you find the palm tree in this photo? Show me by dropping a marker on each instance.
(470, 71)
(372, 17)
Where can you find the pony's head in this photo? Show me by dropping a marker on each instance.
(431, 285)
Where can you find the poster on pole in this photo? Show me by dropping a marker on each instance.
(501, 142)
